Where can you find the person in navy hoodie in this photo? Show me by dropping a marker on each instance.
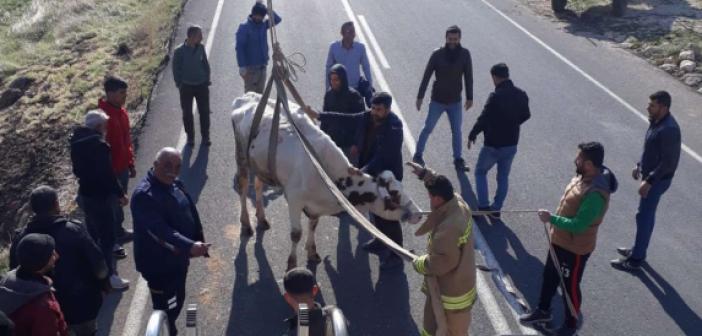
(252, 47)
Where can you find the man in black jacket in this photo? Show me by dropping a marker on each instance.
(167, 233)
(656, 169)
(449, 64)
(506, 109)
(341, 98)
(98, 186)
(80, 274)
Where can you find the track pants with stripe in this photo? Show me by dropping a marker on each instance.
(168, 295)
(572, 266)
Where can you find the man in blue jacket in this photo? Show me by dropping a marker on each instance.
(656, 169)
(252, 47)
(167, 233)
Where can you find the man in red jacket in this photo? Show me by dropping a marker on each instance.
(26, 295)
(119, 139)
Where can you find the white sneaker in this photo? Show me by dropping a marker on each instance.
(118, 283)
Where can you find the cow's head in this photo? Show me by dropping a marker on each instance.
(382, 196)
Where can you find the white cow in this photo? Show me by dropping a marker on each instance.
(303, 188)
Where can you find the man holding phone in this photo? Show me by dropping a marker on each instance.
(167, 233)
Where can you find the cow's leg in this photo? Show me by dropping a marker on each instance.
(310, 245)
(243, 181)
(262, 224)
(295, 233)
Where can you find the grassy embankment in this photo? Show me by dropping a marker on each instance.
(66, 47)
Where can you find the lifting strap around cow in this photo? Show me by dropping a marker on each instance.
(283, 70)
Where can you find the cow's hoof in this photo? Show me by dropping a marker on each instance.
(314, 258)
(263, 225)
(246, 231)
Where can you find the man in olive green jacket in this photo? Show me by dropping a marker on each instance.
(450, 255)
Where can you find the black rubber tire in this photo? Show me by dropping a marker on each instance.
(619, 7)
(558, 6)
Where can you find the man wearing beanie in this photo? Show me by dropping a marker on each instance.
(301, 287)
(26, 295)
(252, 47)
(573, 235)
(450, 256)
(81, 275)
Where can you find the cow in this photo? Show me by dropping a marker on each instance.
(303, 187)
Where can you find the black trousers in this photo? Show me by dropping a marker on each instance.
(572, 266)
(390, 228)
(168, 295)
(100, 222)
(201, 94)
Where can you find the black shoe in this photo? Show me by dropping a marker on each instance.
(565, 331)
(536, 316)
(374, 246)
(624, 252)
(418, 160)
(390, 262)
(124, 236)
(460, 165)
(119, 252)
(626, 264)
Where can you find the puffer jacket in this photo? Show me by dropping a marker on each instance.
(345, 100)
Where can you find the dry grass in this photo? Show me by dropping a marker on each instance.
(68, 47)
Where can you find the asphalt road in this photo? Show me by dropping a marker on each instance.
(574, 89)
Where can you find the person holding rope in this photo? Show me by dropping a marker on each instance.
(252, 47)
(573, 234)
(450, 256)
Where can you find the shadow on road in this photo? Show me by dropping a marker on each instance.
(523, 268)
(107, 313)
(194, 175)
(380, 309)
(671, 301)
(257, 308)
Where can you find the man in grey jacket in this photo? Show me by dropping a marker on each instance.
(191, 72)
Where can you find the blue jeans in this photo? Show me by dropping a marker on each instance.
(489, 156)
(646, 218)
(455, 116)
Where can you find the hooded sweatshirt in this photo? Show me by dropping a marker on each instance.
(80, 272)
(581, 211)
(92, 164)
(345, 100)
(29, 302)
(118, 136)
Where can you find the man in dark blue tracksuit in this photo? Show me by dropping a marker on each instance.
(167, 233)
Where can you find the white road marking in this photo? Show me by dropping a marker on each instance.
(374, 43)
(132, 326)
(587, 76)
(494, 313)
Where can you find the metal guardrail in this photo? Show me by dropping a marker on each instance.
(158, 324)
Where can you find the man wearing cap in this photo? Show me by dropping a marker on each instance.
(301, 287)
(26, 295)
(81, 275)
(167, 233)
(450, 256)
(252, 47)
(99, 187)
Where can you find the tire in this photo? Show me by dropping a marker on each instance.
(618, 7)
(558, 6)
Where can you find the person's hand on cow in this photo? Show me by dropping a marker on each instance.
(311, 113)
(199, 249)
